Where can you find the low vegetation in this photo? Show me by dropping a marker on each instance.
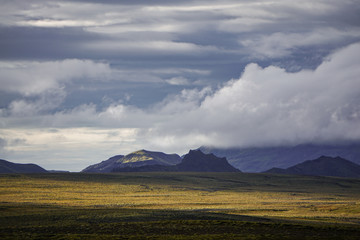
(178, 206)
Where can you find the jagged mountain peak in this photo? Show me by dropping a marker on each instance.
(196, 160)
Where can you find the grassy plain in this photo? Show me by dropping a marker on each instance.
(178, 206)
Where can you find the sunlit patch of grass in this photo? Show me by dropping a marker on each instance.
(88, 202)
(179, 192)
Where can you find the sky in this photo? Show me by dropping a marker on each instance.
(83, 80)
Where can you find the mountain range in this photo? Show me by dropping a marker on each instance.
(288, 160)
(322, 166)
(136, 159)
(194, 161)
(9, 167)
(259, 159)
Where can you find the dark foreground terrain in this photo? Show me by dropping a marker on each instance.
(178, 206)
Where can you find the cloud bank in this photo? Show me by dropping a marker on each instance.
(265, 106)
(269, 106)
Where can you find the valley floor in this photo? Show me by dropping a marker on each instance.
(178, 206)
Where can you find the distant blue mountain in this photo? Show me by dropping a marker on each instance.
(259, 159)
(9, 167)
(322, 166)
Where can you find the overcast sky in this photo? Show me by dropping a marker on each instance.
(81, 81)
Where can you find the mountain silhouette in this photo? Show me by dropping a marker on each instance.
(194, 161)
(323, 166)
(259, 159)
(10, 167)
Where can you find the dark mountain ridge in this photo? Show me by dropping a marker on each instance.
(194, 161)
(322, 166)
(197, 161)
(259, 159)
(10, 167)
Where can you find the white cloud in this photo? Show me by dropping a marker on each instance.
(178, 81)
(271, 106)
(162, 47)
(33, 78)
(139, 27)
(67, 14)
(46, 102)
(281, 44)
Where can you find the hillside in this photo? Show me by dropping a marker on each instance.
(323, 166)
(135, 159)
(104, 166)
(9, 167)
(259, 159)
(194, 161)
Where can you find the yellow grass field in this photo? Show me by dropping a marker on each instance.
(234, 196)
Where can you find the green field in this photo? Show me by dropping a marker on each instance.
(178, 206)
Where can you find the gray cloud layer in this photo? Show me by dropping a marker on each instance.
(264, 106)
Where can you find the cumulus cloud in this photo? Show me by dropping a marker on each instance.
(48, 101)
(269, 106)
